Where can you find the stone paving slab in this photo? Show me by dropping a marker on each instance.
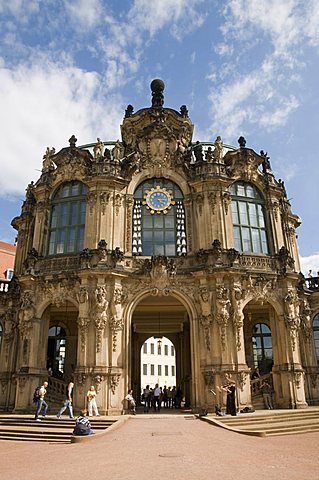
(172, 447)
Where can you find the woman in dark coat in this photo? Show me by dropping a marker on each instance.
(230, 389)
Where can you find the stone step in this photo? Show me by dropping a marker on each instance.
(270, 422)
(50, 429)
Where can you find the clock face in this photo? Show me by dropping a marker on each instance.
(158, 200)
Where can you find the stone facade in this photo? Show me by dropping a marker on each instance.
(106, 294)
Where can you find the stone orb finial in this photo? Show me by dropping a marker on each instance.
(157, 85)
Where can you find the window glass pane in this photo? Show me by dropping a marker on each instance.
(169, 221)
(170, 250)
(243, 213)
(268, 353)
(246, 239)
(158, 221)
(60, 241)
(316, 321)
(152, 369)
(159, 236)
(261, 219)
(240, 190)
(252, 215)
(63, 214)
(250, 191)
(264, 243)
(147, 235)
(71, 240)
(159, 370)
(255, 240)
(158, 249)
(264, 328)
(148, 221)
(147, 249)
(169, 236)
(54, 216)
(234, 211)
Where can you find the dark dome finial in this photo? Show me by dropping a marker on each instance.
(157, 87)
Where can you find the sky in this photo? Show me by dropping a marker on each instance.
(242, 67)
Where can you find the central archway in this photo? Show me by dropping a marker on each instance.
(159, 317)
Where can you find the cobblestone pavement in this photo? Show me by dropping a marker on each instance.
(167, 446)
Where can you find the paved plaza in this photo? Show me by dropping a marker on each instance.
(170, 446)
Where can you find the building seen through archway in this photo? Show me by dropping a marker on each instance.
(157, 238)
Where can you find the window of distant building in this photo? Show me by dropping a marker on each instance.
(166, 370)
(173, 370)
(159, 226)
(145, 348)
(9, 274)
(166, 349)
(152, 369)
(172, 351)
(144, 369)
(152, 348)
(315, 328)
(159, 370)
(248, 216)
(67, 220)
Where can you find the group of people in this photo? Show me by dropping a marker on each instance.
(169, 397)
(82, 423)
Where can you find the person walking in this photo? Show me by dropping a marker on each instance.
(41, 403)
(157, 398)
(68, 401)
(91, 400)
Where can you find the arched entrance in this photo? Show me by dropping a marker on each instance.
(162, 317)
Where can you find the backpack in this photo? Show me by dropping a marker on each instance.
(36, 395)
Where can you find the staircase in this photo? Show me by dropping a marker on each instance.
(270, 422)
(50, 429)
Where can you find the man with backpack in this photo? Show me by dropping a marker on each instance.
(38, 398)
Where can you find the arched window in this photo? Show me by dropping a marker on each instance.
(158, 219)
(67, 220)
(315, 328)
(262, 348)
(56, 351)
(248, 216)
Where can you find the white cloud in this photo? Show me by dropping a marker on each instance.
(43, 105)
(265, 96)
(310, 263)
(84, 14)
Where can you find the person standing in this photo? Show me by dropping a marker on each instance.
(157, 398)
(146, 397)
(68, 402)
(91, 399)
(41, 403)
(266, 393)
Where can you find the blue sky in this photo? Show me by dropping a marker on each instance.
(242, 67)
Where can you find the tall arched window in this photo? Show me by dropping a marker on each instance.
(262, 347)
(315, 328)
(248, 216)
(158, 219)
(67, 220)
